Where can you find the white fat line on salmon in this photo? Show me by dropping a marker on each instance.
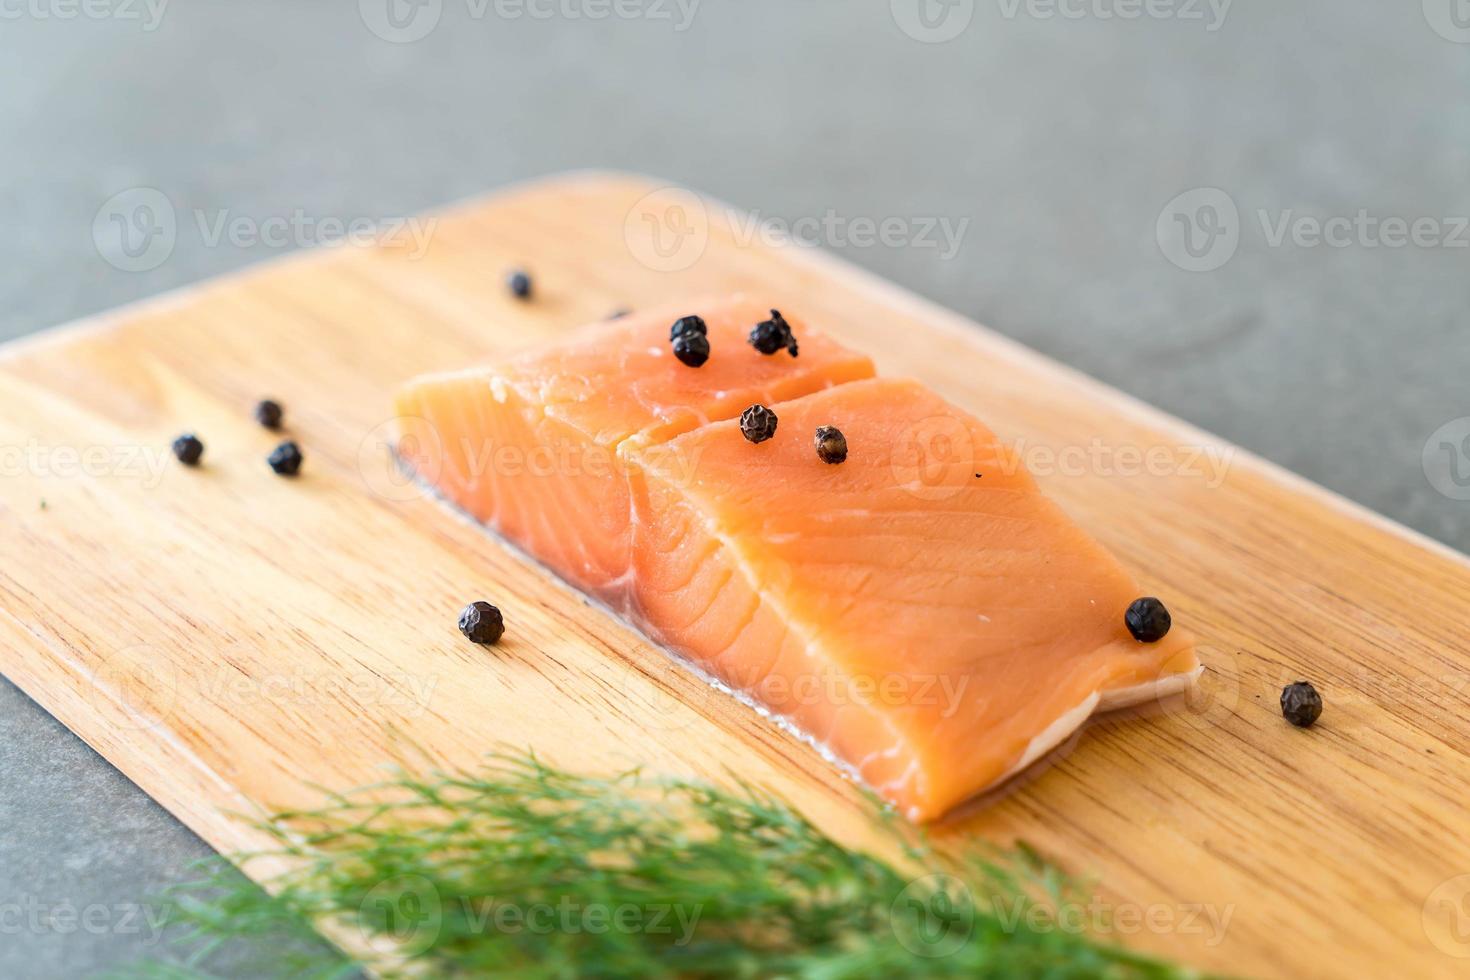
(659, 10)
(1184, 10)
(301, 230)
(839, 231)
(1099, 917)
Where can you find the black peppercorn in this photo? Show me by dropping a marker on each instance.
(831, 444)
(285, 459)
(481, 622)
(519, 284)
(269, 414)
(771, 335)
(1301, 704)
(688, 324)
(188, 449)
(1148, 620)
(692, 348)
(757, 423)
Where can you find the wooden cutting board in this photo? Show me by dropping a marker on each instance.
(228, 638)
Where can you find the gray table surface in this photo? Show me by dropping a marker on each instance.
(1063, 143)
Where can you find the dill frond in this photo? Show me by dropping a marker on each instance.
(526, 870)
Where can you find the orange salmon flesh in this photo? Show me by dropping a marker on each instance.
(920, 611)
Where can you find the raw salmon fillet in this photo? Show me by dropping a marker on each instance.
(535, 448)
(921, 610)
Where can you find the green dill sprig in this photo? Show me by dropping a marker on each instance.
(523, 869)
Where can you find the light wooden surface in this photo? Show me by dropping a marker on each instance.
(228, 638)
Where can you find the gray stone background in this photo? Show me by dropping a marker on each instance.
(1065, 141)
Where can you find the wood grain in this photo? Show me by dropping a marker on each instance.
(228, 638)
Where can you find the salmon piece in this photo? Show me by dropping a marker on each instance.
(933, 629)
(936, 629)
(535, 447)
